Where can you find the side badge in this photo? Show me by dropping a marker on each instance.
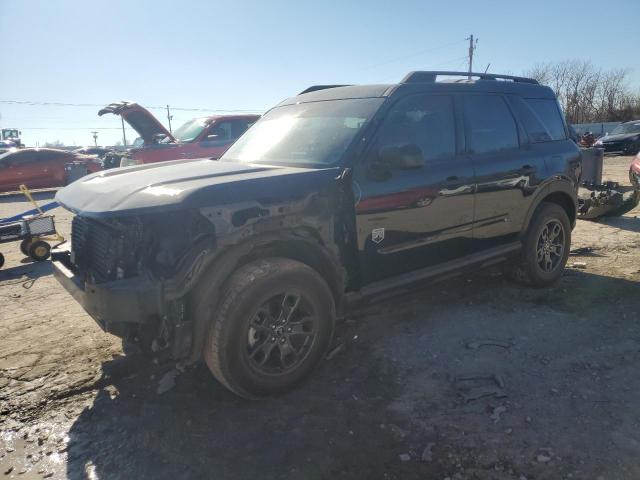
(377, 235)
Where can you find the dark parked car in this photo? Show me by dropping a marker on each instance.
(625, 138)
(40, 167)
(336, 195)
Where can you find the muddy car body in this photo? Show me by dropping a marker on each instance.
(327, 199)
(206, 137)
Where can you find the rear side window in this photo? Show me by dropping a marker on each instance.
(535, 129)
(548, 114)
(490, 124)
(426, 121)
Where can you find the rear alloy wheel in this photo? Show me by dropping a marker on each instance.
(546, 247)
(39, 250)
(274, 324)
(550, 246)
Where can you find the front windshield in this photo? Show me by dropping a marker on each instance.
(312, 134)
(626, 128)
(190, 130)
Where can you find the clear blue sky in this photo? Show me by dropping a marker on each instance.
(248, 55)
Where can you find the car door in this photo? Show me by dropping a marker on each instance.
(508, 172)
(413, 190)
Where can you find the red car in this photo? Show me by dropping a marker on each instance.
(198, 138)
(40, 167)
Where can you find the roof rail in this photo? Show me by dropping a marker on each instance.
(313, 88)
(430, 77)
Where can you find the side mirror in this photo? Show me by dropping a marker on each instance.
(405, 157)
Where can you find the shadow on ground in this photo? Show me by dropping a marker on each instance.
(339, 423)
(27, 271)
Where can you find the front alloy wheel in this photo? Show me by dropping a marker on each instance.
(281, 333)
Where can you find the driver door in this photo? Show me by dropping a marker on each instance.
(414, 205)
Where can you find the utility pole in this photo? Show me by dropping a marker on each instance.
(124, 135)
(169, 117)
(95, 138)
(472, 48)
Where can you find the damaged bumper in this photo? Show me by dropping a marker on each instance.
(114, 304)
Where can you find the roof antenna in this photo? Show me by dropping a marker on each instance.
(487, 69)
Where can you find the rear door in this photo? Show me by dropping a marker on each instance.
(508, 171)
(414, 214)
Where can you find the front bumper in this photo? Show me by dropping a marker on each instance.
(136, 300)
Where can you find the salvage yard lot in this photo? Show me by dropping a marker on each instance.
(473, 378)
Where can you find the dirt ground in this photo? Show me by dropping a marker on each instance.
(474, 378)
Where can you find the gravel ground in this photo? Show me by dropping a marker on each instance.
(474, 378)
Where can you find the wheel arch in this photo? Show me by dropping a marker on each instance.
(301, 245)
(560, 193)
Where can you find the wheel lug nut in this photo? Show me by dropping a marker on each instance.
(273, 339)
(289, 329)
(282, 340)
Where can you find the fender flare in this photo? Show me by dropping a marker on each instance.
(557, 185)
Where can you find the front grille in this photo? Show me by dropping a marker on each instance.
(93, 247)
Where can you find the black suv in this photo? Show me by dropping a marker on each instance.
(335, 195)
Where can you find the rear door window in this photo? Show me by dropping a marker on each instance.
(533, 125)
(489, 124)
(548, 114)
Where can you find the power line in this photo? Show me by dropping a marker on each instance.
(153, 107)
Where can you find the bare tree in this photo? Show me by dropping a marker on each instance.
(587, 93)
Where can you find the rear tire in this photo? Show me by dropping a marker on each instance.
(546, 247)
(1, 260)
(273, 325)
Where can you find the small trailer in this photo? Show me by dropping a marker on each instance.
(33, 229)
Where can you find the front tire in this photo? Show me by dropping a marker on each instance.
(273, 325)
(546, 247)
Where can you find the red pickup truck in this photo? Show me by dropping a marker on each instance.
(206, 137)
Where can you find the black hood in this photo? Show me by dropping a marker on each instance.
(183, 184)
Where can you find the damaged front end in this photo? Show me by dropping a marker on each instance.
(128, 274)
